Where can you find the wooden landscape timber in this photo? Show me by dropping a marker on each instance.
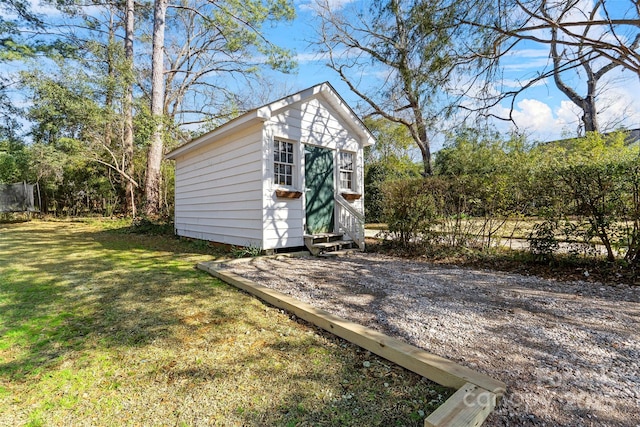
(469, 406)
(477, 394)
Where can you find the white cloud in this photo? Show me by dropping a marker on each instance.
(532, 114)
(310, 57)
(48, 12)
(619, 106)
(536, 64)
(544, 123)
(568, 116)
(538, 120)
(34, 6)
(526, 59)
(334, 5)
(306, 57)
(42, 8)
(547, 114)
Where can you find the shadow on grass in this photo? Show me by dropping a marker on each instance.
(192, 349)
(61, 285)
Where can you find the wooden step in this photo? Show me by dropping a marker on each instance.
(323, 237)
(326, 242)
(327, 248)
(334, 244)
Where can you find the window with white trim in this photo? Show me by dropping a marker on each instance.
(283, 163)
(346, 170)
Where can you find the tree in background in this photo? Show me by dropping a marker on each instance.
(439, 61)
(13, 47)
(154, 153)
(86, 63)
(417, 49)
(590, 62)
(607, 29)
(595, 186)
(389, 159)
(490, 178)
(14, 158)
(68, 134)
(217, 40)
(106, 90)
(208, 38)
(13, 152)
(586, 41)
(93, 85)
(127, 164)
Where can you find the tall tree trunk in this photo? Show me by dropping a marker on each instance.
(589, 109)
(154, 155)
(423, 142)
(128, 109)
(109, 95)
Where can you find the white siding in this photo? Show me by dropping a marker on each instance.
(224, 183)
(309, 122)
(314, 122)
(283, 219)
(219, 190)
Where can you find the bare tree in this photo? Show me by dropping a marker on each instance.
(586, 57)
(216, 41)
(416, 49)
(609, 28)
(207, 39)
(585, 40)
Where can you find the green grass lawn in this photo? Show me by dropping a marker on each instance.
(103, 327)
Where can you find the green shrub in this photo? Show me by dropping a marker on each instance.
(409, 211)
(250, 251)
(143, 225)
(542, 239)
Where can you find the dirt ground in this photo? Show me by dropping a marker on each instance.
(569, 352)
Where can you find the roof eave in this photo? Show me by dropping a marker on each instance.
(367, 137)
(258, 115)
(265, 112)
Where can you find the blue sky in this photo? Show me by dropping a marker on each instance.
(542, 112)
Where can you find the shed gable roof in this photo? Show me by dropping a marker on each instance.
(264, 113)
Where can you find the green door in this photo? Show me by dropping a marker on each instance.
(318, 176)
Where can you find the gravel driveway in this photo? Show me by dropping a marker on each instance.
(569, 352)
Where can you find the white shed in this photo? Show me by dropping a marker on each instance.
(277, 174)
